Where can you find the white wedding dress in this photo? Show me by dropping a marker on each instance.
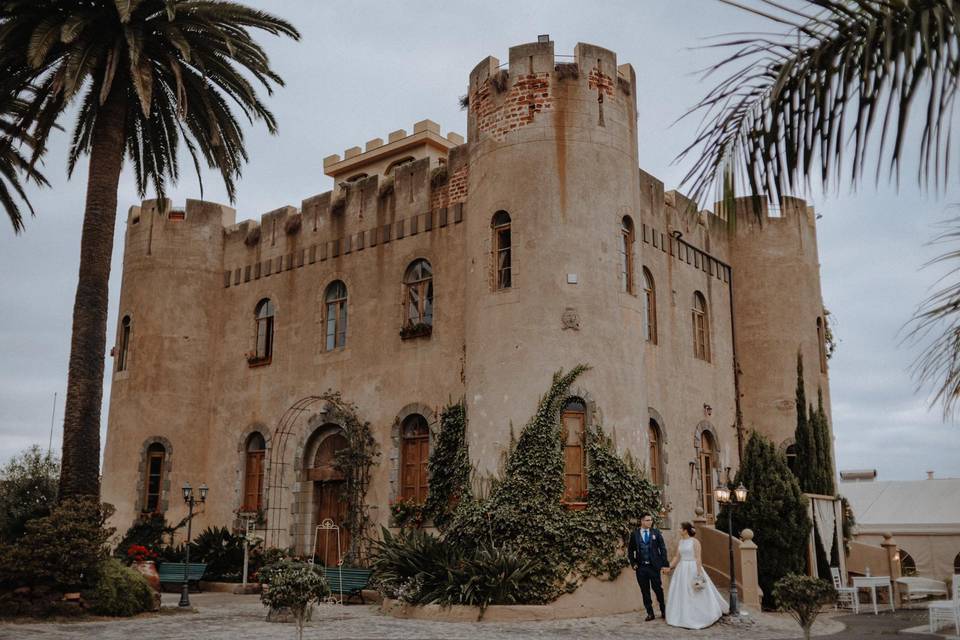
(687, 607)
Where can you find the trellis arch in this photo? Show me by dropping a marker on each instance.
(330, 408)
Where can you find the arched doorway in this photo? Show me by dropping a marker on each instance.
(328, 494)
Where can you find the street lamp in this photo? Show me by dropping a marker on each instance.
(191, 500)
(731, 499)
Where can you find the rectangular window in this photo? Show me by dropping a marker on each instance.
(151, 502)
(504, 280)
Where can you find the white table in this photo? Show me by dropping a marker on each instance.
(873, 583)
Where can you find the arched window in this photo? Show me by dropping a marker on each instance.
(708, 460)
(908, 566)
(264, 315)
(701, 328)
(335, 314)
(124, 343)
(153, 478)
(649, 308)
(655, 446)
(253, 473)
(791, 453)
(396, 163)
(574, 423)
(414, 453)
(502, 248)
(418, 282)
(626, 255)
(822, 345)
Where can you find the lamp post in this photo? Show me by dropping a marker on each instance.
(191, 500)
(731, 498)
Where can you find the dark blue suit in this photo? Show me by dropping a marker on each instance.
(648, 556)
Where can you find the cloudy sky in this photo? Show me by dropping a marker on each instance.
(364, 69)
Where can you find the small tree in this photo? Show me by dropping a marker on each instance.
(805, 466)
(775, 510)
(28, 490)
(294, 586)
(802, 596)
(824, 449)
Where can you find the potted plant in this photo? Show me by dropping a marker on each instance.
(144, 562)
(407, 512)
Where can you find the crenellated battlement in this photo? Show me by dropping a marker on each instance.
(505, 99)
(377, 157)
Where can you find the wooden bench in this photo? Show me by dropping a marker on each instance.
(347, 581)
(172, 573)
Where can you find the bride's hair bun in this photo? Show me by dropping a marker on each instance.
(689, 528)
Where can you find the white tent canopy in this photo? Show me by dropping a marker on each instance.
(922, 515)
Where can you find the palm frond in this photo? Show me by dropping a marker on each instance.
(805, 104)
(15, 167)
(936, 324)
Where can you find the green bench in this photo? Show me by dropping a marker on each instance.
(172, 573)
(347, 581)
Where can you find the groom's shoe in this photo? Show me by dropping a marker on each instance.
(650, 617)
(663, 615)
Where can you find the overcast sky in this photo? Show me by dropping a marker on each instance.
(364, 69)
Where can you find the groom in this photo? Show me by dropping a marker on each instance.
(648, 554)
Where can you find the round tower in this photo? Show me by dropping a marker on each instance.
(166, 338)
(778, 313)
(553, 174)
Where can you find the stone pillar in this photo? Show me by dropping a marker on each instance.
(749, 579)
(893, 562)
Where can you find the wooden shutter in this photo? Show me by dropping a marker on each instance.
(575, 481)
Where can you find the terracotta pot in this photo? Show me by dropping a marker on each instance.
(148, 569)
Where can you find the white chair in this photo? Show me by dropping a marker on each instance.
(845, 595)
(946, 611)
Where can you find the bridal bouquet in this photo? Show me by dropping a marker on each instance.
(699, 583)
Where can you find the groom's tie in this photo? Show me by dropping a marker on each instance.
(646, 536)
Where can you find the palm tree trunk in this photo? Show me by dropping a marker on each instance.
(80, 470)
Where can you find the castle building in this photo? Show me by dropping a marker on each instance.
(441, 269)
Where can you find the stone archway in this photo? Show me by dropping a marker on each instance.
(322, 494)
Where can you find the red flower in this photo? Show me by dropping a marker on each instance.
(139, 553)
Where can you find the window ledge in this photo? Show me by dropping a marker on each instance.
(253, 361)
(575, 506)
(419, 330)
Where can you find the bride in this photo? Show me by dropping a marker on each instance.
(692, 602)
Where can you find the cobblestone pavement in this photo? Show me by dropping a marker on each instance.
(228, 617)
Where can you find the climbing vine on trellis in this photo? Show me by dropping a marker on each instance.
(525, 510)
(355, 461)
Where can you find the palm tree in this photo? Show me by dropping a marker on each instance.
(14, 165)
(833, 90)
(145, 74)
(831, 95)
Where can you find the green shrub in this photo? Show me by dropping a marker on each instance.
(119, 591)
(63, 550)
(775, 510)
(294, 586)
(802, 596)
(148, 532)
(221, 551)
(28, 490)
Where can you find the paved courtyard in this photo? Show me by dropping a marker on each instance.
(219, 616)
(228, 617)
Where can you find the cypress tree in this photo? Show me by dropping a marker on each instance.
(824, 449)
(775, 510)
(806, 461)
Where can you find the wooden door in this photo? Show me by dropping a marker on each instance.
(329, 504)
(415, 455)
